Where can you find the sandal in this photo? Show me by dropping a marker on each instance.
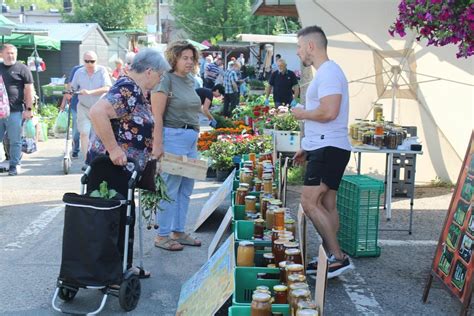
(187, 240)
(168, 244)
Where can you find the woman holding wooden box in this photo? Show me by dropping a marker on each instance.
(176, 106)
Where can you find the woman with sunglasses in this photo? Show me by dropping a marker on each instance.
(123, 122)
(176, 107)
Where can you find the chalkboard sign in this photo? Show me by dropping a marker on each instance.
(453, 263)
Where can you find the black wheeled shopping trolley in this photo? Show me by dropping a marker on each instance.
(96, 230)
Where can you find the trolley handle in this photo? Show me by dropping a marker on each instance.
(105, 158)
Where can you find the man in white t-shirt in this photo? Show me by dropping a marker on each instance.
(325, 144)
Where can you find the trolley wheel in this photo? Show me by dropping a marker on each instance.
(129, 293)
(66, 165)
(67, 294)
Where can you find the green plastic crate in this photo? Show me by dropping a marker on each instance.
(245, 310)
(358, 204)
(238, 212)
(246, 281)
(244, 231)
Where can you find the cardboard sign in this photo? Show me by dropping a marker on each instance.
(220, 231)
(283, 182)
(321, 279)
(453, 263)
(215, 200)
(301, 222)
(207, 290)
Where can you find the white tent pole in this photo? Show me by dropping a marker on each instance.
(396, 72)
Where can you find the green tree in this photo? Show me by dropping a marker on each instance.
(111, 14)
(40, 4)
(224, 19)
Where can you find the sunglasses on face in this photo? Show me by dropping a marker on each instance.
(89, 61)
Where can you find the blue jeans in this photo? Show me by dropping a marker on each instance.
(178, 141)
(12, 125)
(76, 136)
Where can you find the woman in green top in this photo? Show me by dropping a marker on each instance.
(176, 105)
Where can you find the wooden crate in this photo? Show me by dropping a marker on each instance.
(184, 166)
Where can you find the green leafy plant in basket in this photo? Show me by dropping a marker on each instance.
(104, 191)
(286, 122)
(221, 153)
(150, 201)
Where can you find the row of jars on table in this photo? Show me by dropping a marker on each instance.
(377, 133)
(295, 293)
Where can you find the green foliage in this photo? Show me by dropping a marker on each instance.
(221, 153)
(40, 4)
(49, 113)
(224, 19)
(295, 175)
(286, 122)
(111, 15)
(103, 191)
(256, 84)
(223, 122)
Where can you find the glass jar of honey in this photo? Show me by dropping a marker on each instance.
(258, 185)
(250, 203)
(293, 255)
(295, 278)
(258, 228)
(279, 250)
(269, 218)
(295, 287)
(307, 305)
(246, 176)
(282, 267)
(279, 219)
(294, 269)
(269, 259)
(240, 195)
(264, 206)
(290, 225)
(296, 296)
(281, 294)
(307, 312)
(275, 190)
(261, 305)
(245, 254)
(268, 185)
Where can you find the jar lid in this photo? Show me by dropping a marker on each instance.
(307, 305)
(295, 267)
(257, 180)
(242, 188)
(282, 264)
(279, 210)
(259, 220)
(307, 312)
(245, 170)
(244, 185)
(250, 197)
(271, 265)
(279, 242)
(248, 162)
(268, 255)
(261, 297)
(291, 244)
(245, 243)
(262, 287)
(292, 252)
(278, 231)
(280, 288)
(297, 285)
(289, 221)
(301, 293)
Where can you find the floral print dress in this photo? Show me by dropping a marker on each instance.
(133, 127)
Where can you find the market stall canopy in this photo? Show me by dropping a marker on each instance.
(197, 44)
(418, 85)
(29, 40)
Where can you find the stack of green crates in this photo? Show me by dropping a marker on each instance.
(358, 204)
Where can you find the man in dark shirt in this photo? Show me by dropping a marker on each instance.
(19, 84)
(284, 84)
(207, 95)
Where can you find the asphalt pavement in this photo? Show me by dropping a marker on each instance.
(31, 221)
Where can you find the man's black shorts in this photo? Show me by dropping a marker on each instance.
(326, 165)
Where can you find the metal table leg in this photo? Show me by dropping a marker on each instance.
(388, 189)
(359, 157)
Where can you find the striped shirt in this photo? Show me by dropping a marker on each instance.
(212, 71)
(230, 77)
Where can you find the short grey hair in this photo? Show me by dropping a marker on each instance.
(149, 58)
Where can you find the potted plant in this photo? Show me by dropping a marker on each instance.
(287, 135)
(221, 153)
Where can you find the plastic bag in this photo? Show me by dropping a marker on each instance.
(28, 145)
(4, 103)
(61, 122)
(29, 130)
